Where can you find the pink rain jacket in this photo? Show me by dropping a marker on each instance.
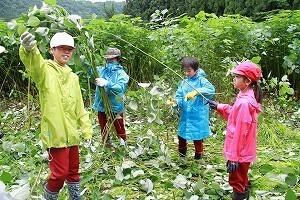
(241, 131)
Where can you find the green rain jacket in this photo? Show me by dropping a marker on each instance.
(61, 101)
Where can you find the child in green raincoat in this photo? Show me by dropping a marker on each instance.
(62, 110)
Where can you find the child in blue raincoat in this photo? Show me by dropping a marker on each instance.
(114, 81)
(191, 99)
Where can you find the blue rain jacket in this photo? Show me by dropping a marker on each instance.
(194, 114)
(117, 79)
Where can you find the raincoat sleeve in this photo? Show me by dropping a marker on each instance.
(83, 117)
(207, 89)
(224, 110)
(34, 64)
(242, 127)
(120, 85)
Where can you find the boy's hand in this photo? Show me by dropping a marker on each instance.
(28, 41)
(191, 95)
(101, 82)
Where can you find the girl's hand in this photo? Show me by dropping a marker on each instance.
(231, 166)
(212, 104)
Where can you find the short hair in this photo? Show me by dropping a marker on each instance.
(191, 62)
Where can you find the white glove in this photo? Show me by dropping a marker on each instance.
(28, 41)
(101, 82)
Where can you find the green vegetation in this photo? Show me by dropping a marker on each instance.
(250, 8)
(150, 168)
(10, 9)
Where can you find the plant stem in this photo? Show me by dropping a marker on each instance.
(36, 180)
(118, 37)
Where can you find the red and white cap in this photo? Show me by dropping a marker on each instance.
(248, 69)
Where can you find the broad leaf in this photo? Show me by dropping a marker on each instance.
(33, 21)
(21, 29)
(291, 179)
(12, 24)
(290, 195)
(6, 177)
(180, 181)
(50, 2)
(146, 185)
(42, 31)
(21, 192)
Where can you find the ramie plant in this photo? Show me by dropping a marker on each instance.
(51, 18)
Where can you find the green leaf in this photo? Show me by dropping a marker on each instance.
(256, 59)
(146, 185)
(42, 31)
(290, 195)
(50, 2)
(6, 177)
(33, 21)
(266, 168)
(291, 179)
(215, 185)
(12, 24)
(133, 105)
(68, 24)
(107, 197)
(21, 29)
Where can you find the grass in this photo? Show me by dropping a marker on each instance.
(278, 159)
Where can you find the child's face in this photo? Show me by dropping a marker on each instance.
(62, 54)
(240, 82)
(189, 72)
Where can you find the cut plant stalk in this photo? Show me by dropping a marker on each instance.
(110, 116)
(182, 78)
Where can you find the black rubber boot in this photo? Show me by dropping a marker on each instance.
(198, 156)
(236, 195)
(182, 152)
(247, 189)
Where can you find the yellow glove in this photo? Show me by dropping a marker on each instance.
(171, 102)
(191, 95)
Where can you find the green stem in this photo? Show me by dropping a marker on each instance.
(118, 37)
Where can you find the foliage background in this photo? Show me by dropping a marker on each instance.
(10, 9)
(251, 8)
(153, 52)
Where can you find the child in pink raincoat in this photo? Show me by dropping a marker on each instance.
(240, 142)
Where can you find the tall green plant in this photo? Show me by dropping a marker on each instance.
(49, 19)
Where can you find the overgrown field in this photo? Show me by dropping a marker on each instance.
(149, 167)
